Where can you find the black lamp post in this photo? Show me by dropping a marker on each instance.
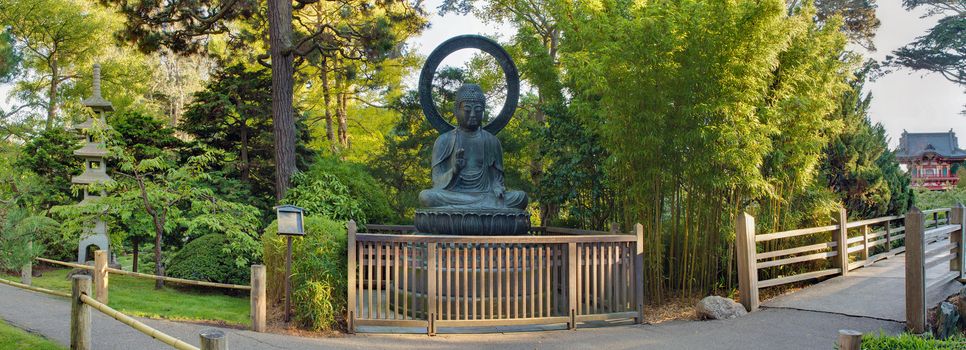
(289, 224)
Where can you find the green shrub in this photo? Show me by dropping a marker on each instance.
(926, 199)
(206, 259)
(884, 341)
(362, 185)
(318, 272)
(342, 191)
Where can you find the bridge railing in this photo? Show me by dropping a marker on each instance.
(922, 255)
(846, 247)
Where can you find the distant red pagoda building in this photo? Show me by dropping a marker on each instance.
(929, 157)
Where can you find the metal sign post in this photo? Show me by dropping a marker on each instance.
(289, 224)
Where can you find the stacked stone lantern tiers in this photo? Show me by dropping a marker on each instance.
(93, 153)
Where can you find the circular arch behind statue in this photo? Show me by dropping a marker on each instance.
(469, 42)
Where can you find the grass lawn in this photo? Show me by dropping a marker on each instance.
(137, 297)
(13, 338)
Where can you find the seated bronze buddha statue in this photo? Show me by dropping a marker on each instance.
(469, 196)
(468, 162)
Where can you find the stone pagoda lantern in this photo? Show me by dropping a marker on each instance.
(95, 168)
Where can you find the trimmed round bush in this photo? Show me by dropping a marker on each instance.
(318, 272)
(205, 259)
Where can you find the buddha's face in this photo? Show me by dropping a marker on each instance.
(469, 114)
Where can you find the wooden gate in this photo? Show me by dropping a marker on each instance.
(436, 281)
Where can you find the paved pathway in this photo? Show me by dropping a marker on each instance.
(868, 300)
(875, 291)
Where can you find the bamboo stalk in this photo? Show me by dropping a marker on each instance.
(36, 289)
(144, 275)
(137, 325)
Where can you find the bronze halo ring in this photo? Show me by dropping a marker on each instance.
(481, 43)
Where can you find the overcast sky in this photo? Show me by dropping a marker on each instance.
(904, 99)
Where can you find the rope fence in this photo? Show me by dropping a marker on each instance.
(80, 322)
(156, 277)
(100, 273)
(36, 289)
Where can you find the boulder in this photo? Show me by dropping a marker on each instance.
(947, 320)
(718, 308)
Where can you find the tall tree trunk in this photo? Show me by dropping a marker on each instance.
(283, 114)
(548, 211)
(137, 253)
(340, 112)
(52, 93)
(326, 97)
(158, 268)
(343, 121)
(246, 164)
(158, 220)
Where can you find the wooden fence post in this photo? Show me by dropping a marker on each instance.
(431, 273)
(888, 237)
(747, 261)
(915, 273)
(213, 339)
(26, 271)
(639, 272)
(956, 216)
(865, 243)
(572, 284)
(100, 276)
(351, 271)
(258, 300)
(841, 238)
(80, 313)
(850, 340)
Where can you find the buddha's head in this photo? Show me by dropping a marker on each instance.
(469, 107)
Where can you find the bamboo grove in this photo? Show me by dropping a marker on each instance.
(681, 114)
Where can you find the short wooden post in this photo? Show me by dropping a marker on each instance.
(639, 273)
(431, 274)
(956, 216)
(572, 284)
(888, 230)
(80, 313)
(26, 271)
(747, 261)
(258, 299)
(865, 243)
(915, 272)
(351, 271)
(850, 340)
(100, 276)
(841, 238)
(213, 339)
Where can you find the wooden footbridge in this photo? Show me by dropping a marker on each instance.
(888, 268)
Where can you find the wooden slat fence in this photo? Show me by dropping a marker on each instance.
(845, 247)
(433, 281)
(929, 244)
